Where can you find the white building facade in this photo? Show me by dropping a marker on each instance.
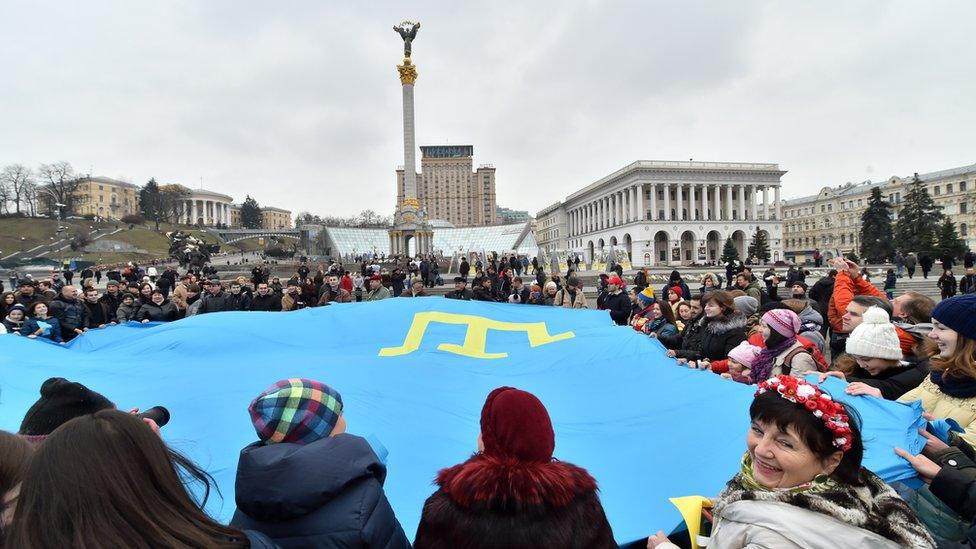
(830, 221)
(207, 208)
(675, 212)
(550, 228)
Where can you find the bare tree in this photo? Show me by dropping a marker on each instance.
(173, 202)
(4, 197)
(30, 198)
(58, 185)
(16, 177)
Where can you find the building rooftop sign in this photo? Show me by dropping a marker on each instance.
(447, 151)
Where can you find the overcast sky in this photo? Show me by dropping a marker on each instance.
(298, 103)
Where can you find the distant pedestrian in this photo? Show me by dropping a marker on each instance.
(891, 281)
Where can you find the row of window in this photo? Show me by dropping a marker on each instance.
(849, 238)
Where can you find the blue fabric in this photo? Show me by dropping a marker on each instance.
(885, 424)
(942, 427)
(646, 428)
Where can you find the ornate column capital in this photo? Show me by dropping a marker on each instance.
(408, 72)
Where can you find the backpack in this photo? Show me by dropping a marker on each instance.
(807, 347)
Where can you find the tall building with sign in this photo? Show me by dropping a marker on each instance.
(451, 189)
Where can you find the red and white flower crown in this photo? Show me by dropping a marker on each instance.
(819, 403)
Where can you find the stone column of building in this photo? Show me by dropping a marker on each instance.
(742, 204)
(716, 202)
(603, 212)
(653, 187)
(728, 202)
(620, 208)
(765, 191)
(704, 202)
(779, 213)
(632, 204)
(679, 199)
(753, 200)
(612, 214)
(667, 202)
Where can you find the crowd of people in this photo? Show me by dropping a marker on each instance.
(307, 482)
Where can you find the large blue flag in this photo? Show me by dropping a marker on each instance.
(413, 374)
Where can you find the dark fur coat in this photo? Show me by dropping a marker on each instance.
(488, 502)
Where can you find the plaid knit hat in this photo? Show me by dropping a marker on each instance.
(295, 410)
(646, 297)
(783, 321)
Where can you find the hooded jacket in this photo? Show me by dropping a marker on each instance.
(328, 493)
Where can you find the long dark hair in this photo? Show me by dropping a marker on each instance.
(770, 407)
(15, 451)
(107, 480)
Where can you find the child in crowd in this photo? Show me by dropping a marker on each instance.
(740, 363)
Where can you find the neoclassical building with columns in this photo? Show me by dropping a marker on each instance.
(207, 208)
(672, 212)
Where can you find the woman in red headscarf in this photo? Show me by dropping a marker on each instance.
(512, 493)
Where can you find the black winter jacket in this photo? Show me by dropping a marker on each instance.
(70, 313)
(893, 382)
(718, 336)
(164, 312)
(328, 493)
(216, 303)
(619, 306)
(270, 302)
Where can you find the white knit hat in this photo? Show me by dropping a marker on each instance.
(875, 337)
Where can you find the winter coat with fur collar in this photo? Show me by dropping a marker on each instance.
(489, 502)
(721, 335)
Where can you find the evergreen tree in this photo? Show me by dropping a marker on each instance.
(759, 247)
(877, 244)
(949, 243)
(251, 214)
(919, 220)
(729, 251)
(151, 202)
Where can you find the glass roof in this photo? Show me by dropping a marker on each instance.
(494, 238)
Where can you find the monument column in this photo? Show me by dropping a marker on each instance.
(410, 218)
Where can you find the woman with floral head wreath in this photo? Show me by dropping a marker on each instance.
(801, 483)
(512, 493)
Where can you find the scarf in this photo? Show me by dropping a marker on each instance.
(872, 505)
(763, 365)
(957, 387)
